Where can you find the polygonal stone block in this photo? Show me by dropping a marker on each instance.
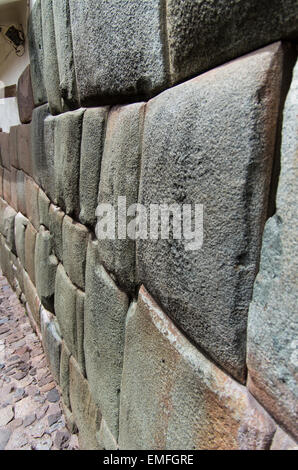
(75, 240)
(51, 342)
(25, 96)
(30, 239)
(45, 268)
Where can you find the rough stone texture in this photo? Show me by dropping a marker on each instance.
(56, 217)
(39, 162)
(272, 321)
(75, 240)
(6, 261)
(206, 33)
(24, 149)
(51, 343)
(32, 298)
(4, 150)
(43, 208)
(20, 227)
(123, 54)
(21, 192)
(93, 137)
(45, 268)
(13, 188)
(6, 186)
(25, 96)
(69, 309)
(13, 146)
(31, 196)
(1, 181)
(64, 374)
(30, 239)
(36, 52)
(67, 160)
(201, 147)
(7, 222)
(172, 397)
(283, 441)
(65, 54)
(120, 177)
(51, 72)
(105, 311)
(105, 438)
(48, 180)
(85, 412)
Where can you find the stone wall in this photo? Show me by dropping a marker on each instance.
(155, 346)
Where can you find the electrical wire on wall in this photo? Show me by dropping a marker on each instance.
(14, 35)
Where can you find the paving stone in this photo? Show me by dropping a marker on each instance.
(15, 423)
(120, 177)
(6, 415)
(131, 63)
(30, 239)
(61, 439)
(29, 420)
(272, 320)
(39, 162)
(52, 419)
(38, 429)
(43, 443)
(4, 437)
(40, 413)
(173, 397)
(55, 225)
(53, 396)
(205, 284)
(45, 268)
(75, 239)
(36, 52)
(24, 149)
(105, 311)
(17, 440)
(51, 77)
(225, 30)
(25, 96)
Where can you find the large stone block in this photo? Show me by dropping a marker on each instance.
(13, 188)
(69, 309)
(20, 228)
(120, 178)
(56, 217)
(272, 320)
(65, 58)
(67, 160)
(36, 52)
(7, 223)
(172, 397)
(39, 162)
(43, 208)
(210, 141)
(204, 33)
(6, 186)
(13, 146)
(4, 150)
(124, 55)
(30, 239)
(105, 311)
(24, 148)
(85, 412)
(51, 342)
(31, 196)
(25, 96)
(105, 438)
(51, 72)
(75, 240)
(32, 298)
(93, 138)
(1, 181)
(6, 262)
(21, 192)
(45, 268)
(48, 179)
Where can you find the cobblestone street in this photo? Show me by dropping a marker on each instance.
(30, 404)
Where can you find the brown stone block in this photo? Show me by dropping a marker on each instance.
(6, 186)
(4, 150)
(31, 195)
(24, 148)
(13, 188)
(25, 96)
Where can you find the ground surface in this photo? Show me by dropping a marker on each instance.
(30, 405)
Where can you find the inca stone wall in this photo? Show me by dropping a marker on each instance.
(153, 345)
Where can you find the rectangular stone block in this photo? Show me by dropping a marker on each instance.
(25, 96)
(36, 52)
(272, 320)
(124, 55)
(32, 298)
(172, 397)
(211, 142)
(93, 138)
(225, 29)
(4, 150)
(67, 160)
(75, 240)
(48, 179)
(30, 239)
(13, 188)
(51, 342)
(120, 179)
(69, 309)
(31, 196)
(39, 162)
(21, 192)
(65, 58)
(45, 268)
(105, 311)
(56, 217)
(13, 146)
(85, 412)
(21, 223)
(6, 186)
(24, 148)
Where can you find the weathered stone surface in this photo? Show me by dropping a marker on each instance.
(56, 217)
(105, 311)
(64, 374)
(21, 223)
(4, 150)
(21, 192)
(13, 188)
(45, 268)
(1, 181)
(272, 321)
(51, 343)
(31, 196)
(201, 146)
(24, 148)
(225, 29)
(6, 186)
(25, 96)
(75, 240)
(51, 72)
(6, 261)
(85, 412)
(283, 441)
(32, 298)
(30, 239)
(105, 438)
(65, 54)
(13, 146)
(124, 53)
(7, 220)
(93, 138)
(43, 208)
(120, 178)
(36, 52)
(172, 397)
(48, 180)
(39, 162)
(69, 309)
(67, 160)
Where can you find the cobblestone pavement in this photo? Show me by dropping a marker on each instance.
(30, 405)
